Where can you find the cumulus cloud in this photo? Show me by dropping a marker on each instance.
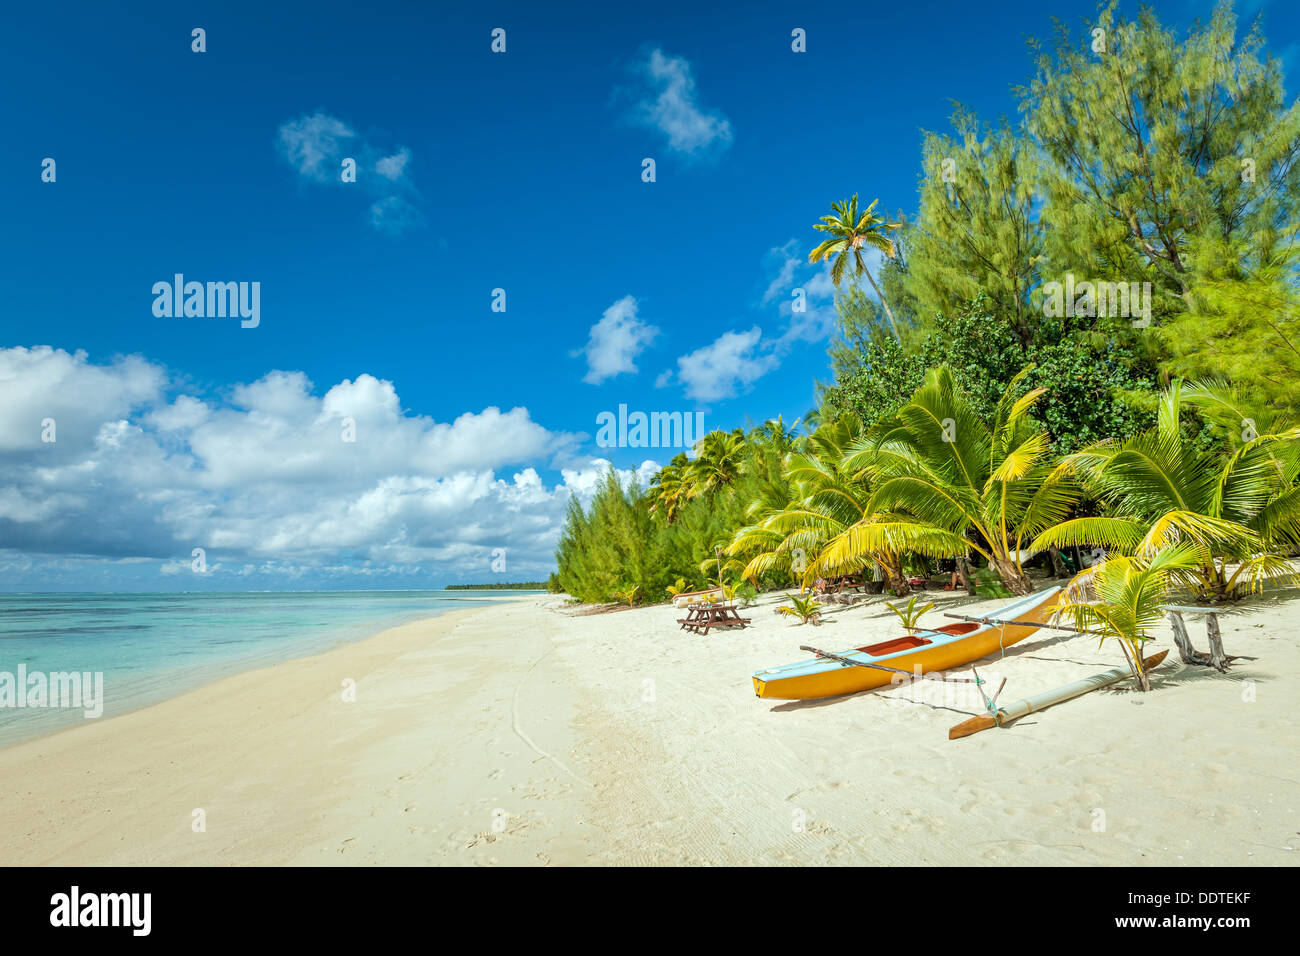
(315, 147)
(733, 361)
(42, 383)
(273, 478)
(582, 482)
(615, 341)
(670, 104)
(736, 359)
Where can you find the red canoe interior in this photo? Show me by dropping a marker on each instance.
(906, 643)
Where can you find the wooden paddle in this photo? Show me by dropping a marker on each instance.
(1048, 698)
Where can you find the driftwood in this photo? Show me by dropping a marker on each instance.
(1189, 654)
(846, 599)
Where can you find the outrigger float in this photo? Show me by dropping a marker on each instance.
(1004, 715)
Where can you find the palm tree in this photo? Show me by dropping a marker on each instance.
(763, 469)
(785, 533)
(1239, 508)
(851, 231)
(991, 484)
(830, 523)
(668, 488)
(1124, 598)
(719, 458)
(806, 609)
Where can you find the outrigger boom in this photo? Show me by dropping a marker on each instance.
(995, 620)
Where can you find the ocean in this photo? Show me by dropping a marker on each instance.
(149, 647)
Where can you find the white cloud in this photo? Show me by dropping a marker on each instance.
(391, 167)
(393, 215)
(670, 105)
(184, 413)
(719, 370)
(615, 341)
(263, 478)
(736, 359)
(785, 260)
(792, 272)
(43, 383)
(316, 145)
(582, 482)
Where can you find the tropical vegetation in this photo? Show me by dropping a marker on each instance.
(970, 419)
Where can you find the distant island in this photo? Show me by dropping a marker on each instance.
(515, 586)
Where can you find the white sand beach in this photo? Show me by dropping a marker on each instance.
(524, 734)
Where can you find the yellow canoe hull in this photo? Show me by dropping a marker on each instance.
(839, 679)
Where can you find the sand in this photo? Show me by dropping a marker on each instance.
(522, 734)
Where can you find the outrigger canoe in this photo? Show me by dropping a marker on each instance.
(950, 646)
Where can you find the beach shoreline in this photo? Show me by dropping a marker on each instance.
(522, 734)
(174, 667)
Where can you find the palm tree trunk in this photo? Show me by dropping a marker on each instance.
(1135, 662)
(966, 575)
(1014, 578)
(1058, 566)
(881, 296)
(895, 581)
(1143, 677)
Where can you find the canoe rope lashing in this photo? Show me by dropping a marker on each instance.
(990, 704)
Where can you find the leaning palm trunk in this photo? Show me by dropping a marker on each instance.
(896, 583)
(990, 482)
(850, 233)
(1012, 575)
(1139, 668)
(885, 305)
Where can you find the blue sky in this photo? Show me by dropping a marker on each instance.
(476, 171)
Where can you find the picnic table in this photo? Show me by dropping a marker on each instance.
(700, 617)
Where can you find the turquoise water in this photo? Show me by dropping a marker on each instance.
(153, 646)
